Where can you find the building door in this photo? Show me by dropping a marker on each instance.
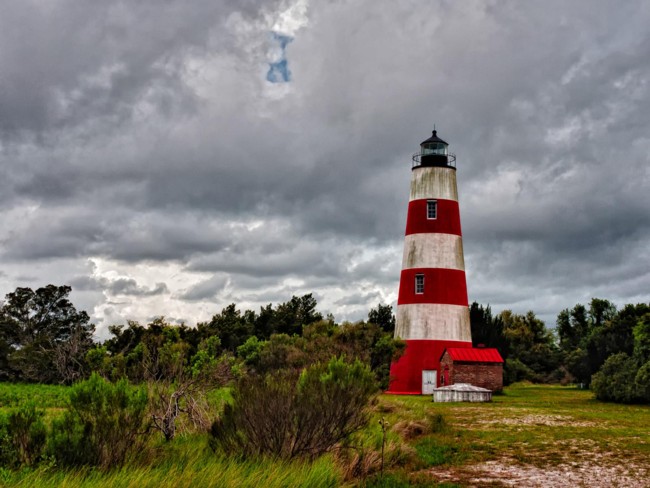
(429, 377)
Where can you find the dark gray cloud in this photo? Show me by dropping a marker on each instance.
(206, 289)
(356, 298)
(117, 286)
(147, 140)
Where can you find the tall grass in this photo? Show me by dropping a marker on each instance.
(186, 462)
(531, 424)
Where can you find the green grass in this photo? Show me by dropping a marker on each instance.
(530, 425)
(434, 453)
(45, 396)
(535, 425)
(185, 463)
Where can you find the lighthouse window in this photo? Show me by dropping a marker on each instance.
(434, 148)
(432, 209)
(419, 284)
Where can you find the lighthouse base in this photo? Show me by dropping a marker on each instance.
(420, 355)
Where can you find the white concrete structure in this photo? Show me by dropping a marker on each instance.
(462, 392)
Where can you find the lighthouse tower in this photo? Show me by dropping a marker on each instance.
(432, 306)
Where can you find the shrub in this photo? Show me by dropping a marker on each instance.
(615, 380)
(8, 455)
(383, 353)
(290, 415)
(514, 370)
(642, 382)
(103, 424)
(249, 351)
(26, 433)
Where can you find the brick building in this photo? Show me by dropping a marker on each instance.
(477, 366)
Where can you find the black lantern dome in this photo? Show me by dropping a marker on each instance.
(434, 152)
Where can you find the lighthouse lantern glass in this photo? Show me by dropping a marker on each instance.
(437, 148)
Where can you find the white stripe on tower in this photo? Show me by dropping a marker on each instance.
(434, 182)
(432, 321)
(433, 251)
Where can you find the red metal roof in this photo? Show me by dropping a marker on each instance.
(474, 355)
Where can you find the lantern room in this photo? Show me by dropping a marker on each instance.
(434, 152)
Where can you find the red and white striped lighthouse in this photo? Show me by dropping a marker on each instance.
(432, 306)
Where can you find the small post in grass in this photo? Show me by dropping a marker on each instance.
(384, 426)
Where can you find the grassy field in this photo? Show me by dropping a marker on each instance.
(530, 436)
(46, 396)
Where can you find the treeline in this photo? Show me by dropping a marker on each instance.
(594, 345)
(44, 339)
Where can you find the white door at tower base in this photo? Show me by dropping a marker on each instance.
(429, 381)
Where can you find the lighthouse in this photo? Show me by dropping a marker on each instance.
(432, 305)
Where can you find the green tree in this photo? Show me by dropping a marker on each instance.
(614, 335)
(615, 381)
(530, 343)
(487, 330)
(625, 374)
(231, 327)
(641, 334)
(572, 327)
(44, 337)
(263, 324)
(249, 351)
(124, 340)
(642, 382)
(383, 317)
(290, 317)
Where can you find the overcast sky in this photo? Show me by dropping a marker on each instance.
(169, 158)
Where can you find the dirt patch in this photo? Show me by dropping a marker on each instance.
(546, 420)
(506, 472)
(411, 429)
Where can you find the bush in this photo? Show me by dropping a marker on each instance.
(616, 380)
(514, 370)
(383, 353)
(290, 415)
(8, 455)
(642, 382)
(104, 423)
(26, 434)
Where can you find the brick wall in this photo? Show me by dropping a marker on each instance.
(446, 363)
(485, 375)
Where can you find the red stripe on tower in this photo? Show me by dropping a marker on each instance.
(436, 285)
(447, 219)
(432, 305)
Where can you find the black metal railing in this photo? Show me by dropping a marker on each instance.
(448, 160)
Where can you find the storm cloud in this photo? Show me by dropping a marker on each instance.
(147, 158)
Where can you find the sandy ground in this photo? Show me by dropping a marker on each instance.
(548, 420)
(578, 463)
(507, 473)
